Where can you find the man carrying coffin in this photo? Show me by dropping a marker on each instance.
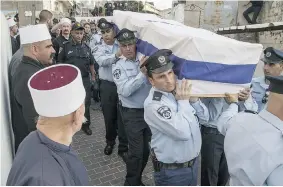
(173, 117)
(254, 143)
(214, 169)
(38, 53)
(133, 88)
(45, 157)
(273, 66)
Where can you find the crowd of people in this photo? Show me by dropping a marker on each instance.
(236, 137)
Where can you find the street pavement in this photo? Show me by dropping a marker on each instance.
(103, 170)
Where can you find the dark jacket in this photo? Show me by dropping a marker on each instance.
(43, 162)
(77, 54)
(23, 111)
(15, 45)
(257, 3)
(58, 45)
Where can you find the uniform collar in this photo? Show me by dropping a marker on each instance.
(261, 81)
(163, 93)
(74, 43)
(272, 119)
(138, 57)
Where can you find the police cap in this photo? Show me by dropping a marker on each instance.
(159, 62)
(77, 26)
(276, 84)
(103, 24)
(125, 36)
(272, 56)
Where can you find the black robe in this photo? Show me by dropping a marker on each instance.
(23, 111)
(43, 162)
(15, 45)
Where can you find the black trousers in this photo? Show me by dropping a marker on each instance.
(112, 117)
(139, 135)
(87, 86)
(214, 169)
(252, 9)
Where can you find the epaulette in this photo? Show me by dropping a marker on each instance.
(157, 96)
(251, 111)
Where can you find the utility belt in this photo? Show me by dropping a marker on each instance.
(209, 130)
(126, 109)
(157, 165)
(107, 82)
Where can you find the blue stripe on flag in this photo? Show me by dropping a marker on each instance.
(206, 71)
(200, 70)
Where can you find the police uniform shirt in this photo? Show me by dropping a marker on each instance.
(96, 39)
(216, 106)
(253, 147)
(175, 128)
(132, 85)
(259, 92)
(105, 56)
(78, 55)
(43, 162)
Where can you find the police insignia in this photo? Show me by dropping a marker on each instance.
(95, 49)
(165, 112)
(125, 35)
(60, 49)
(117, 74)
(268, 54)
(161, 59)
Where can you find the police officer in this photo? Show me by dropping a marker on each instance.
(96, 38)
(133, 88)
(171, 115)
(77, 53)
(106, 54)
(273, 66)
(65, 25)
(253, 143)
(214, 169)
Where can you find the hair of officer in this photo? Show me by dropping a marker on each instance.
(45, 15)
(87, 23)
(149, 74)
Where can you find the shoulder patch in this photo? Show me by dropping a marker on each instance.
(164, 112)
(117, 74)
(95, 49)
(157, 96)
(250, 111)
(60, 49)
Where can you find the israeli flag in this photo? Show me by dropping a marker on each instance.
(215, 64)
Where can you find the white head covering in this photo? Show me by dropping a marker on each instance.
(11, 22)
(57, 90)
(66, 20)
(34, 33)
